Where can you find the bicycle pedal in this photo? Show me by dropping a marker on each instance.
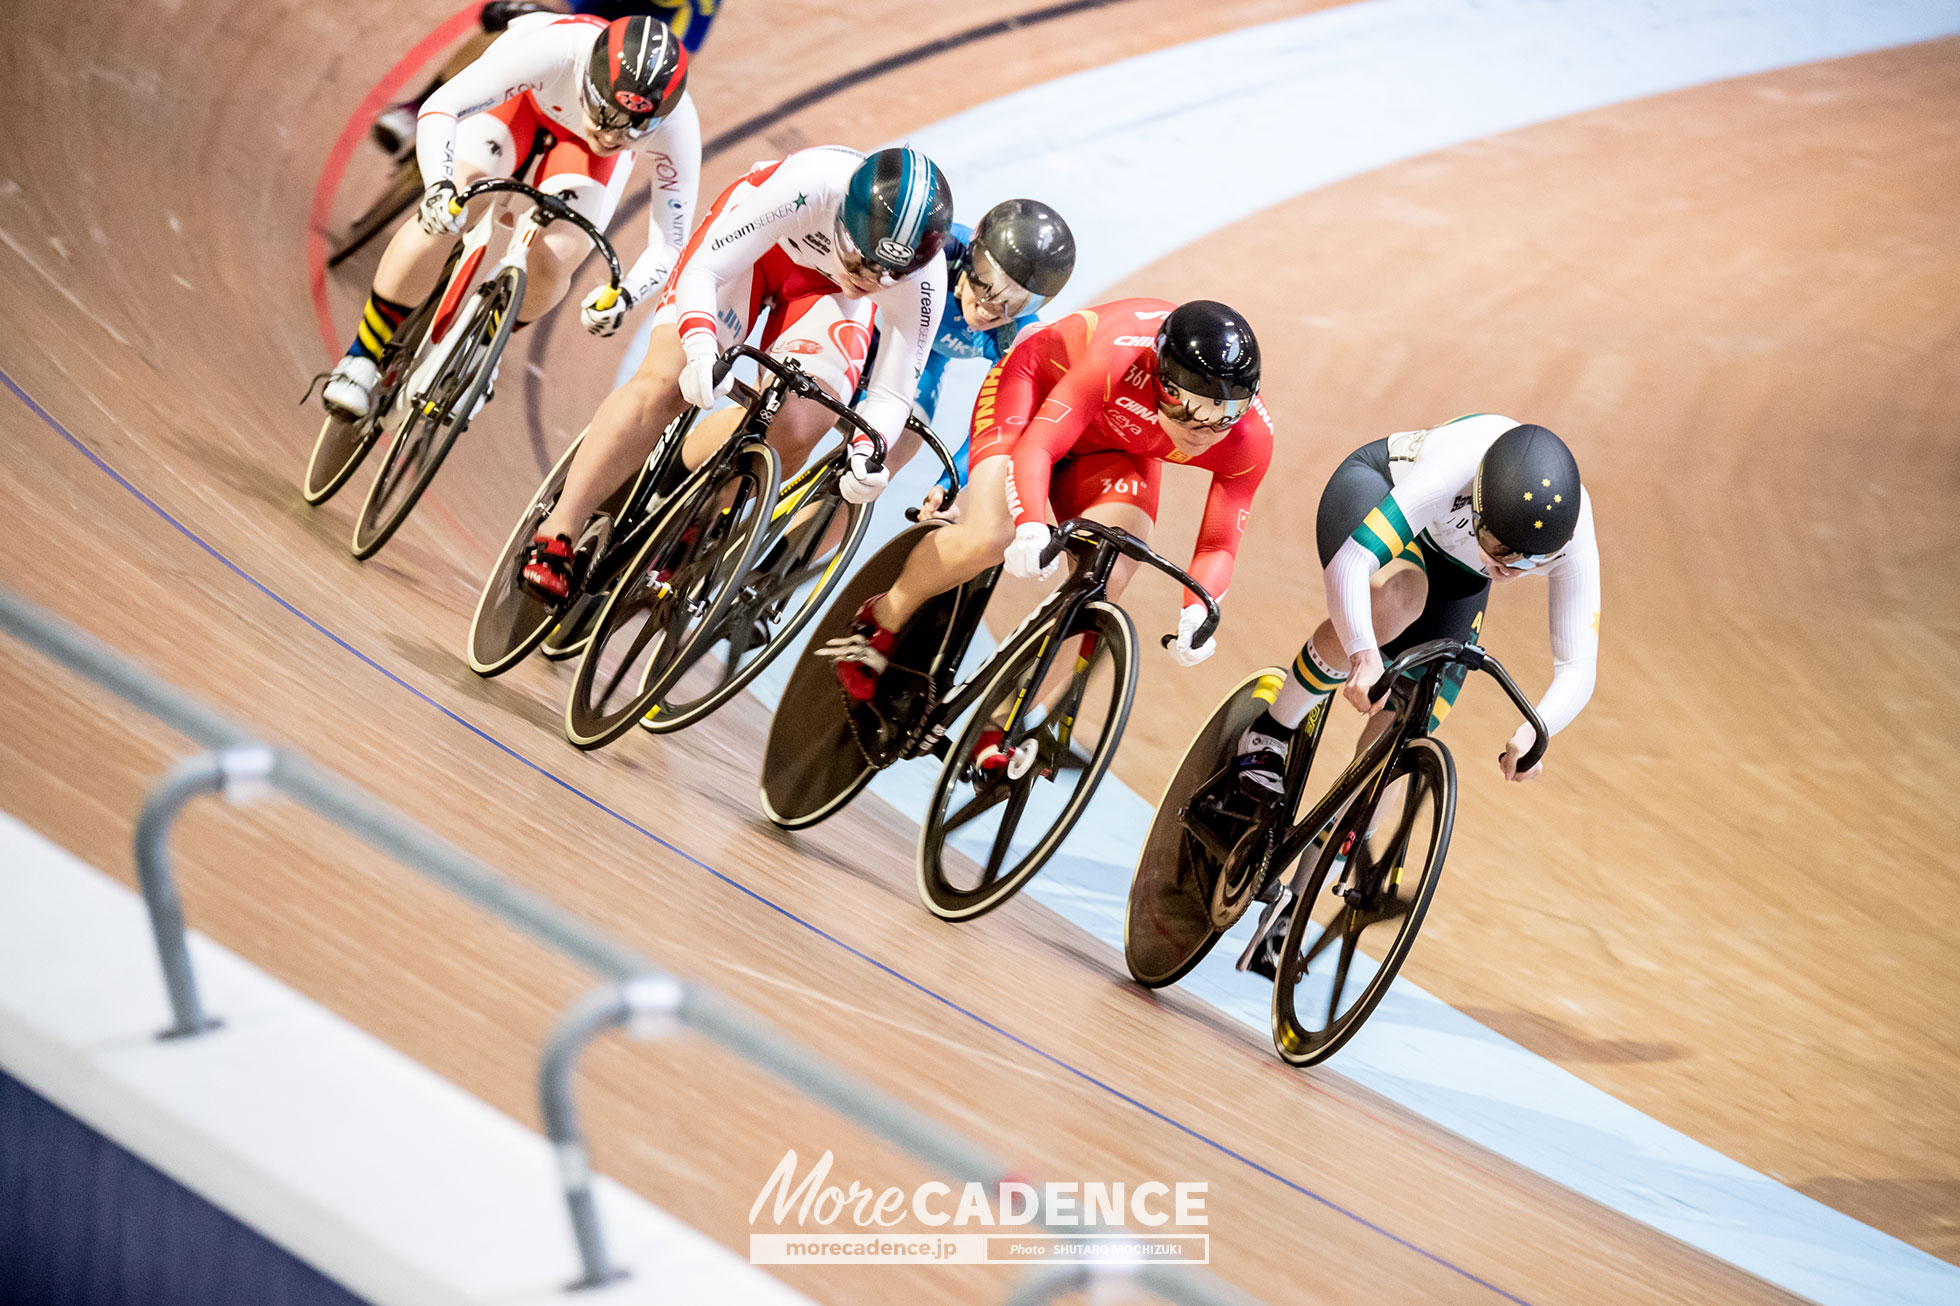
(1261, 955)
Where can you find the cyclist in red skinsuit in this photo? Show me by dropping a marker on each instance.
(1079, 416)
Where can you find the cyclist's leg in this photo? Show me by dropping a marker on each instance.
(957, 553)
(409, 270)
(622, 433)
(1397, 593)
(823, 332)
(591, 185)
(1117, 489)
(629, 423)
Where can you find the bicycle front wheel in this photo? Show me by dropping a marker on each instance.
(1375, 875)
(434, 420)
(676, 590)
(988, 832)
(796, 572)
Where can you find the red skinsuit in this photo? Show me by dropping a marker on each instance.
(1075, 405)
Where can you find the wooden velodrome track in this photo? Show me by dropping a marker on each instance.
(1729, 904)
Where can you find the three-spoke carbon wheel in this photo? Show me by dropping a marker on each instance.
(1375, 875)
(987, 833)
(675, 592)
(429, 425)
(794, 577)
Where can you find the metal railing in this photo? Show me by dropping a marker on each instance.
(639, 996)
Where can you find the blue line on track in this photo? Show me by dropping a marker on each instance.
(1054, 1060)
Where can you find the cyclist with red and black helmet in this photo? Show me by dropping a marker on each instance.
(573, 105)
(821, 240)
(1082, 415)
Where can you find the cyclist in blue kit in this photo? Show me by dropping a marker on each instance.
(999, 273)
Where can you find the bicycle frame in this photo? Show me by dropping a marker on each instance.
(1412, 722)
(1086, 584)
(470, 272)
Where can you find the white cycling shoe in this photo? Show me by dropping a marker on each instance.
(350, 387)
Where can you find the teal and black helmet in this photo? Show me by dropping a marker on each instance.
(896, 212)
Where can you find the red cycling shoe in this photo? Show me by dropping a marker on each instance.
(988, 754)
(547, 573)
(862, 653)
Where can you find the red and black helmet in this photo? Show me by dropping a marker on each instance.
(636, 75)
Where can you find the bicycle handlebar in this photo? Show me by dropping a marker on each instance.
(938, 447)
(800, 384)
(1112, 537)
(559, 211)
(1472, 657)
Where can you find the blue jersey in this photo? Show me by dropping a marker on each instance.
(958, 340)
(689, 19)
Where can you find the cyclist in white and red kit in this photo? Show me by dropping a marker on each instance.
(821, 239)
(571, 104)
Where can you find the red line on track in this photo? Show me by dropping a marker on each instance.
(382, 94)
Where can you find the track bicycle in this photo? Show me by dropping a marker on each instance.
(987, 830)
(728, 562)
(1373, 850)
(436, 374)
(808, 543)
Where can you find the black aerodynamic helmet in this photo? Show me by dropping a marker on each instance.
(1207, 352)
(635, 76)
(1022, 254)
(1527, 492)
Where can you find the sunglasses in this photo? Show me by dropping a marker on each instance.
(1181, 406)
(992, 286)
(857, 264)
(1508, 557)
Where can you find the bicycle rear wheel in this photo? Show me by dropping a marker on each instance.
(434, 421)
(1375, 875)
(1168, 928)
(676, 590)
(337, 453)
(812, 765)
(794, 577)
(510, 621)
(987, 834)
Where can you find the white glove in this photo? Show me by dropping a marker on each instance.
(698, 377)
(1023, 556)
(440, 214)
(603, 321)
(860, 484)
(1182, 649)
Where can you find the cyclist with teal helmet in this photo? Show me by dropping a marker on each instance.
(822, 239)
